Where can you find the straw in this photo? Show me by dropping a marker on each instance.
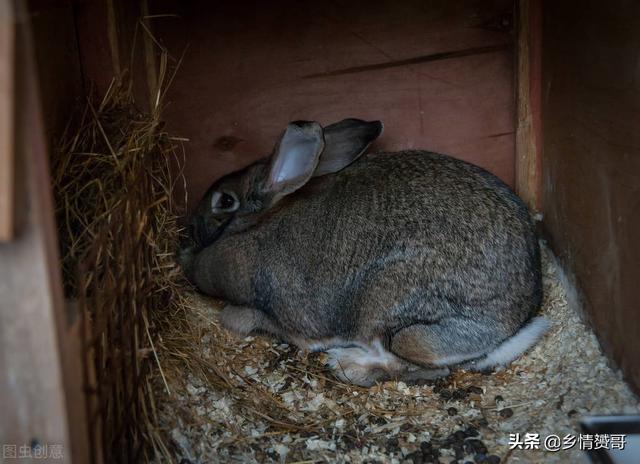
(114, 176)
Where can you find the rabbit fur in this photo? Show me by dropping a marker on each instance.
(398, 265)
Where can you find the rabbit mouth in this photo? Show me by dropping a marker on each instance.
(203, 234)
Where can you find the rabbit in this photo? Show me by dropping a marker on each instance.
(400, 265)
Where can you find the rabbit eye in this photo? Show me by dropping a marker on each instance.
(224, 202)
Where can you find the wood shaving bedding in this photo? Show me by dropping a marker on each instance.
(258, 400)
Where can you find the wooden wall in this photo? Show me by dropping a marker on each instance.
(41, 395)
(439, 74)
(591, 161)
(56, 50)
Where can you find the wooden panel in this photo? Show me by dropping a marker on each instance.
(529, 124)
(57, 58)
(99, 64)
(40, 384)
(7, 30)
(113, 43)
(439, 74)
(591, 162)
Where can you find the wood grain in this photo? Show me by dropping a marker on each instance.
(591, 160)
(112, 42)
(529, 127)
(7, 156)
(439, 75)
(40, 383)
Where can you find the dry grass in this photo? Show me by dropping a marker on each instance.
(114, 178)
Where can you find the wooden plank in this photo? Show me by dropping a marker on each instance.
(113, 43)
(114, 37)
(151, 66)
(529, 127)
(591, 159)
(40, 383)
(56, 54)
(94, 44)
(438, 73)
(7, 186)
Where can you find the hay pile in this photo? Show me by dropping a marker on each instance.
(257, 400)
(114, 177)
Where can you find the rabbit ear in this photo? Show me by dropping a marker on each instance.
(345, 141)
(294, 159)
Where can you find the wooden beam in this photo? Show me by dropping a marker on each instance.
(113, 43)
(151, 67)
(529, 117)
(41, 395)
(7, 159)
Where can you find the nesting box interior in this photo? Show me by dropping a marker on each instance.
(543, 95)
(438, 76)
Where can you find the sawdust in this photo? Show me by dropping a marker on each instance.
(258, 400)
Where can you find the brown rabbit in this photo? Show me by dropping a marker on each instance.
(398, 265)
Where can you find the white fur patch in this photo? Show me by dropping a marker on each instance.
(363, 363)
(515, 346)
(373, 354)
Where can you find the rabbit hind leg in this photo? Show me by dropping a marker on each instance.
(446, 343)
(365, 364)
